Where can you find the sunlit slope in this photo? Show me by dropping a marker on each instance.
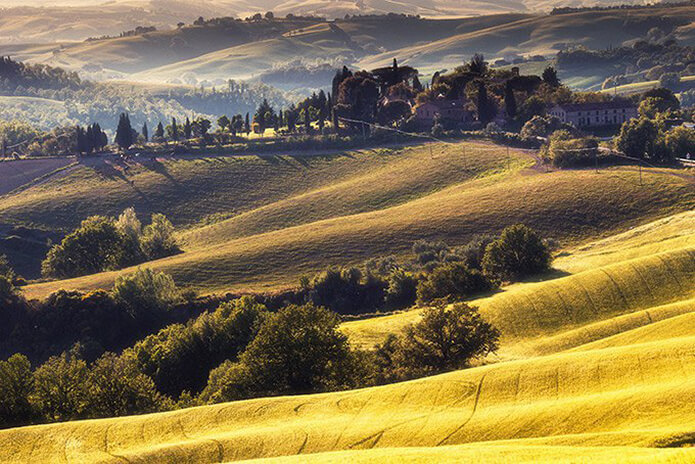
(192, 190)
(558, 314)
(599, 398)
(566, 205)
(667, 234)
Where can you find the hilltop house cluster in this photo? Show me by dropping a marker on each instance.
(597, 114)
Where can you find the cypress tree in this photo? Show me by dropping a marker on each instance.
(247, 125)
(124, 133)
(159, 131)
(187, 129)
(145, 132)
(510, 101)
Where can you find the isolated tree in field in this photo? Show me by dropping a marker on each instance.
(124, 132)
(145, 132)
(447, 339)
(550, 77)
(518, 252)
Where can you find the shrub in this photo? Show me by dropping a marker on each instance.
(345, 291)
(452, 281)
(519, 252)
(638, 138)
(566, 150)
(146, 292)
(158, 238)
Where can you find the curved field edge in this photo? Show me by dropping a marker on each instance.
(566, 205)
(633, 396)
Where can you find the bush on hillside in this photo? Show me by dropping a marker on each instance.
(103, 243)
(146, 292)
(93, 247)
(443, 340)
(566, 150)
(402, 289)
(157, 239)
(453, 281)
(298, 349)
(518, 252)
(346, 291)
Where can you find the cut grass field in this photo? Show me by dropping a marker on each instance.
(595, 366)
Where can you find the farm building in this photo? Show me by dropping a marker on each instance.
(449, 110)
(595, 114)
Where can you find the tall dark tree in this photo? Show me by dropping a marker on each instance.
(174, 130)
(478, 65)
(486, 108)
(124, 132)
(247, 125)
(510, 101)
(145, 132)
(550, 77)
(187, 129)
(159, 131)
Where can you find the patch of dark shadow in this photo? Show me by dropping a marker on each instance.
(680, 440)
(300, 160)
(157, 166)
(271, 159)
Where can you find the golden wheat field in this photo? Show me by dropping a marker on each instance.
(597, 362)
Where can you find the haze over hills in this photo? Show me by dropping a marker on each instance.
(217, 50)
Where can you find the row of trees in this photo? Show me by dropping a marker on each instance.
(104, 243)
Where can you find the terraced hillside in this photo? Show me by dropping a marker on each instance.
(300, 219)
(606, 374)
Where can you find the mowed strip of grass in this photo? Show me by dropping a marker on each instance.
(632, 396)
(566, 205)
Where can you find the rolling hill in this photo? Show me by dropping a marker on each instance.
(601, 385)
(224, 49)
(276, 219)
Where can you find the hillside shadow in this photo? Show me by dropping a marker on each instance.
(157, 166)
